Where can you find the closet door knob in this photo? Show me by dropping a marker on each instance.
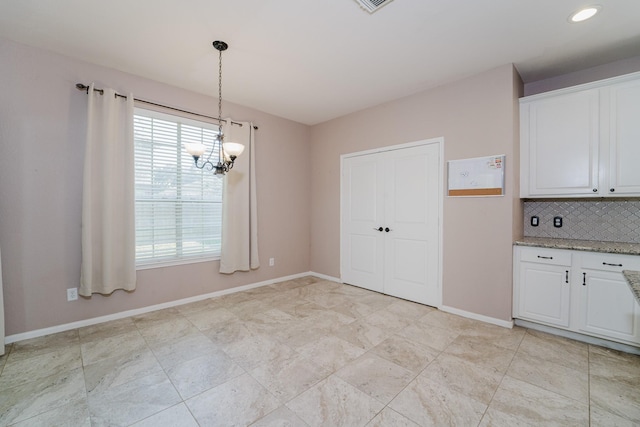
(387, 229)
(378, 229)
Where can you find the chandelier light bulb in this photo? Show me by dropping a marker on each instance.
(233, 149)
(196, 149)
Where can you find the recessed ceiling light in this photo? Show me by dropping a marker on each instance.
(584, 14)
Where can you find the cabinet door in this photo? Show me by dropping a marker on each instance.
(560, 145)
(624, 139)
(543, 293)
(607, 306)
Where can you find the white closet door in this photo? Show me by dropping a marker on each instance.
(390, 222)
(412, 216)
(362, 248)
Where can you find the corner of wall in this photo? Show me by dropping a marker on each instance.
(518, 205)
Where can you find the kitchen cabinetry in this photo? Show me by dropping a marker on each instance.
(583, 292)
(582, 141)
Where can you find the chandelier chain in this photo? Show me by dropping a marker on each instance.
(220, 89)
(220, 166)
(225, 160)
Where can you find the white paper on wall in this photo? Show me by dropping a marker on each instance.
(478, 176)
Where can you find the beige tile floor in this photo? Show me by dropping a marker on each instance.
(308, 353)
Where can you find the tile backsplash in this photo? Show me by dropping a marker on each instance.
(611, 221)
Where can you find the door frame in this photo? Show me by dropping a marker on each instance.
(439, 141)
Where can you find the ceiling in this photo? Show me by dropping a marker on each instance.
(311, 61)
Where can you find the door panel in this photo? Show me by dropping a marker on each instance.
(362, 210)
(410, 266)
(364, 192)
(410, 181)
(363, 251)
(412, 214)
(412, 269)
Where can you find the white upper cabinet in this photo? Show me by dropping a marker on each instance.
(582, 141)
(560, 144)
(624, 139)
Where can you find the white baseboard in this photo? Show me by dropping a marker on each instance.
(475, 316)
(579, 337)
(325, 277)
(135, 312)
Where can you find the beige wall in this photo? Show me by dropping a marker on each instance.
(42, 125)
(477, 116)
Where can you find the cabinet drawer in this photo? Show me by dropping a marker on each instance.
(546, 256)
(610, 262)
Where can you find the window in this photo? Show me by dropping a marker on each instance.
(178, 207)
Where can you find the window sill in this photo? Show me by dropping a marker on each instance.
(173, 262)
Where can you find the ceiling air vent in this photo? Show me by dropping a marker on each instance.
(373, 5)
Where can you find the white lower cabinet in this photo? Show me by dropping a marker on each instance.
(606, 306)
(579, 291)
(544, 286)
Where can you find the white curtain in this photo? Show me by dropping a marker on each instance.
(239, 212)
(1, 312)
(108, 210)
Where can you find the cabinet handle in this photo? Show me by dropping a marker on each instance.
(595, 190)
(584, 279)
(612, 265)
(545, 257)
(377, 229)
(387, 229)
(612, 190)
(566, 277)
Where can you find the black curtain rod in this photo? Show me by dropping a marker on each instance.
(85, 88)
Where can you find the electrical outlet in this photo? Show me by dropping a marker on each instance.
(272, 262)
(72, 294)
(557, 221)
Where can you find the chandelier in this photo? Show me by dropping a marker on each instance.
(227, 151)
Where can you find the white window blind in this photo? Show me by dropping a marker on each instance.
(178, 207)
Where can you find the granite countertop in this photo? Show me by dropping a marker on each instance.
(633, 279)
(581, 245)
